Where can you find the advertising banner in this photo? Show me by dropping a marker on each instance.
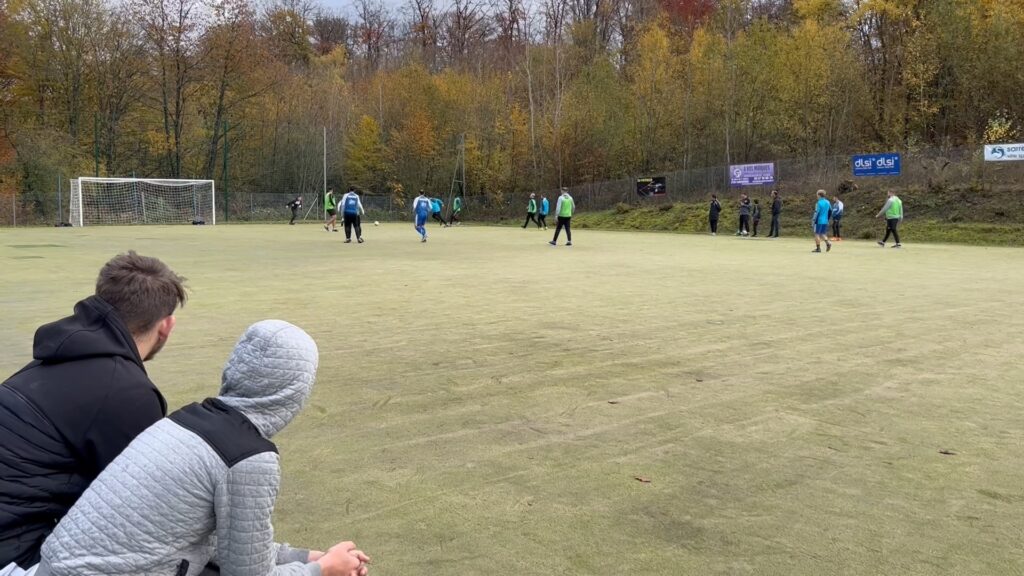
(653, 186)
(752, 174)
(877, 164)
(1004, 152)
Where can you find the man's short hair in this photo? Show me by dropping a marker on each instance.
(142, 289)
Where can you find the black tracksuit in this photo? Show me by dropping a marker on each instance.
(744, 216)
(757, 217)
(713, 212)
(294, 205)
(352, 220)
(773, 232)
(563, 222)
(63, 418)
(891, 225)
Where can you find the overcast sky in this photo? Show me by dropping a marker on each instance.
(347, 7)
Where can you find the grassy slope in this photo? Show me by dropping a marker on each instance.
(968, 216)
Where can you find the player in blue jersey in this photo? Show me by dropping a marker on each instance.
(822, 210)
(421, 207)
(351, 208)
(436, 207)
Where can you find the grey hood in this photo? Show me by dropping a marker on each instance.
(270, 374)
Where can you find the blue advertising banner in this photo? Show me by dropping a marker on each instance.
(876, 164)
(752, 174)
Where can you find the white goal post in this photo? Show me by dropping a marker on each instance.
(112, 201)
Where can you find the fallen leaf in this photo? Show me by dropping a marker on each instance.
(642, 479)
(613, 401)
(945, 452)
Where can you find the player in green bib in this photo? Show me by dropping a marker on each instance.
(456, 210)
(531, 212)
(331, 204)
(564, 210)
(893, 211)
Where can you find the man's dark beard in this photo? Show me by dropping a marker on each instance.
(156, 348)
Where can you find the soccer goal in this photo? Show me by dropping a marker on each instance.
(112, 201)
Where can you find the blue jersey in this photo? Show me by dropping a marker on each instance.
(350, 204)
(821, 211)
(544, 207)
(435, 204)
(422, 206)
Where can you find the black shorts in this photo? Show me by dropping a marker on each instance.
(332, 212)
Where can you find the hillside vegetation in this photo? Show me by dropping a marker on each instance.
(960, 215)
(392, 96)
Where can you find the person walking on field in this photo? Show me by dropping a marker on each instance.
(773, 232)
(421, 207)
(757, 217)
(713, 211)
(531, 212)
(543, 214)
(837, 219)
(456, 211)
(744, 216)
(564, 210)
(820, 221)
(352, 207)
(331, 204)
(437, 206)
(295, 205)
(893, 211)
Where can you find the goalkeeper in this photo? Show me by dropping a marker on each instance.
(295, 205)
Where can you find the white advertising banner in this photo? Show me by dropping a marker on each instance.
(1004, 152)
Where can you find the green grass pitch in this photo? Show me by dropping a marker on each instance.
(485, 402)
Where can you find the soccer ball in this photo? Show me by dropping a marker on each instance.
(375, 223)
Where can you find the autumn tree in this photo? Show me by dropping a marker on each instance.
(366, 157)
(172, 30)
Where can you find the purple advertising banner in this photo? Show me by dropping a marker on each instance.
(752, 174)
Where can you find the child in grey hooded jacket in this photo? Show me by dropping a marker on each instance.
(194, 493)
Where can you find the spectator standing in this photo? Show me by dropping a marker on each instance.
(837, 219)
(773, 232)
(713, 211)
(756, 216)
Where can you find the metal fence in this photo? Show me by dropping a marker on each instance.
(930, 171)
(927, 170)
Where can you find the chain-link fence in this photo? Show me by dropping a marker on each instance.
(932, 171)
(927, 171)
(273, 207)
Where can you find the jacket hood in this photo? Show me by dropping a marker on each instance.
(270, 374)
(93, 330)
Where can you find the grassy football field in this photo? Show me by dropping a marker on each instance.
(636, 404)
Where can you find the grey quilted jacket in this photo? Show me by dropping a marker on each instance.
(198, 487)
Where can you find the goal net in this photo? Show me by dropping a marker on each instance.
(109, 201)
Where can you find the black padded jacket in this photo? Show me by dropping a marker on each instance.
(63, 418)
